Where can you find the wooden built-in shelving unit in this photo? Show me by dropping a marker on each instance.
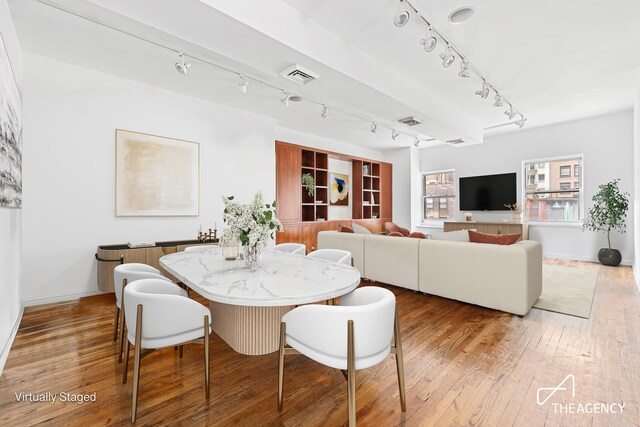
(314, 208)
(366, 181)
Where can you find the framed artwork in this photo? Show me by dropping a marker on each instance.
(10, 134)
(156, 176)
(338, 189)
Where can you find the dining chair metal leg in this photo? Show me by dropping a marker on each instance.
(206, 356)
(115, 324)
(351, 374)
(283, 331)
(122, 320)
(136, 365)
(125, 365)
(399, 362)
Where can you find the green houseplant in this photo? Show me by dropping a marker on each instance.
(309, 183)
(609, 210)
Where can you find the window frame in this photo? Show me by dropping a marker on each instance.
(424, 196)
(523, 189)
(565, 167)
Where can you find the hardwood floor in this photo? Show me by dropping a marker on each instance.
(464, 365)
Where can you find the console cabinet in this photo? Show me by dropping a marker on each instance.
(489, 227)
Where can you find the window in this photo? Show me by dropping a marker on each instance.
(557, 195)
(438, 194)
(532, 179)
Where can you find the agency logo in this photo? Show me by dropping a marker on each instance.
(566, 386)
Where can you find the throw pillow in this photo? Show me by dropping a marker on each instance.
(496, 239)
(453, 236)
(358, 229)
(345, 229)
(417, 235)
(395, 234)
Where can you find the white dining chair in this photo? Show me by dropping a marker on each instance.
(357, 334)
(122, 275)
(334, 255)
(160, 314)
(293, 248)
(198, 248)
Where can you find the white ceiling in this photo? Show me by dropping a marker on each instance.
(555, 61)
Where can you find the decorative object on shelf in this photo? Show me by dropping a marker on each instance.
(144, 185)
(309, 183)
(468, 216)
(10, 134)
(375, 214)
(366, 170)
(252, 225)
(230, 245)
(609, 210)
(516, 210)
(339, 191)
(210, 237)
(319, 202)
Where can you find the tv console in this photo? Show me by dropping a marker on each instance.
(489, 227)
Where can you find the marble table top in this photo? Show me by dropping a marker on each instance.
(283, 279)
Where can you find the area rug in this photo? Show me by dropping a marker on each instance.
(567, 290)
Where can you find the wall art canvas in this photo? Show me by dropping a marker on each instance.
(10, 134)
(339, 189)
(156, 176)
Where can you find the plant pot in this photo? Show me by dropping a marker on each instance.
(611, 257)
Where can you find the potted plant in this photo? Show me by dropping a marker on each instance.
(309, 183)
(516, 210)
(608, 212)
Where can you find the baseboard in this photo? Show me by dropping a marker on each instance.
(582, 258)
(52, 298)
(12, 335)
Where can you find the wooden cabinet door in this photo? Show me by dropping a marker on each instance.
(386, 196)
(288, 183)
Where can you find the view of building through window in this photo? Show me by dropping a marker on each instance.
(557, 196)
(439, 195)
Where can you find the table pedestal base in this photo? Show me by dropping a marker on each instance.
(248, 330)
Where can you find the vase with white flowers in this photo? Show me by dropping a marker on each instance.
(253, 225)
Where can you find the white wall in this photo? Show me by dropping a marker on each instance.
(636, 186)
(406, 185)
(10, 219)
(71, 115)
(607, 144)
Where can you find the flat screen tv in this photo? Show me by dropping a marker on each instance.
(487, 192)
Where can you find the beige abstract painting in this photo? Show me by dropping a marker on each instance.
(156, 176)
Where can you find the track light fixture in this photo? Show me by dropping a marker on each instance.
(520, 123)
(181, 66)
(243, 85)
(447, 57)
(325, 112)
(394, 134)
(416, 142)
(374, 127)
(510, 112)
(429, 41)
(284, 99)
(498, 101)
(402, 17)
(464, 69)
(484, 92)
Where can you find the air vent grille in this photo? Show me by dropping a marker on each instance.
(299, 74)
(456, 141)
(410, 121)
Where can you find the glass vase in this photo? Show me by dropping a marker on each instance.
(230, 251)
(252, 256)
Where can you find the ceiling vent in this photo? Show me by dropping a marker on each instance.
(456, 141)
(410, 121)
(299, 74)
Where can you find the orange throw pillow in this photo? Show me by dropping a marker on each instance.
(345, 229)
(496, 239)
(395, 234)
(417, 235)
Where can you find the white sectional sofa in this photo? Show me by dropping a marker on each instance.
(503, 277)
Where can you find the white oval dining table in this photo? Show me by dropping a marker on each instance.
(247, 305)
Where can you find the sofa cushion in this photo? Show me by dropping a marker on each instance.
(358, 229)
(453, 236)
(390, 227)
(496, 239)
(345, 229)
(395, 234)
(417, 235)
